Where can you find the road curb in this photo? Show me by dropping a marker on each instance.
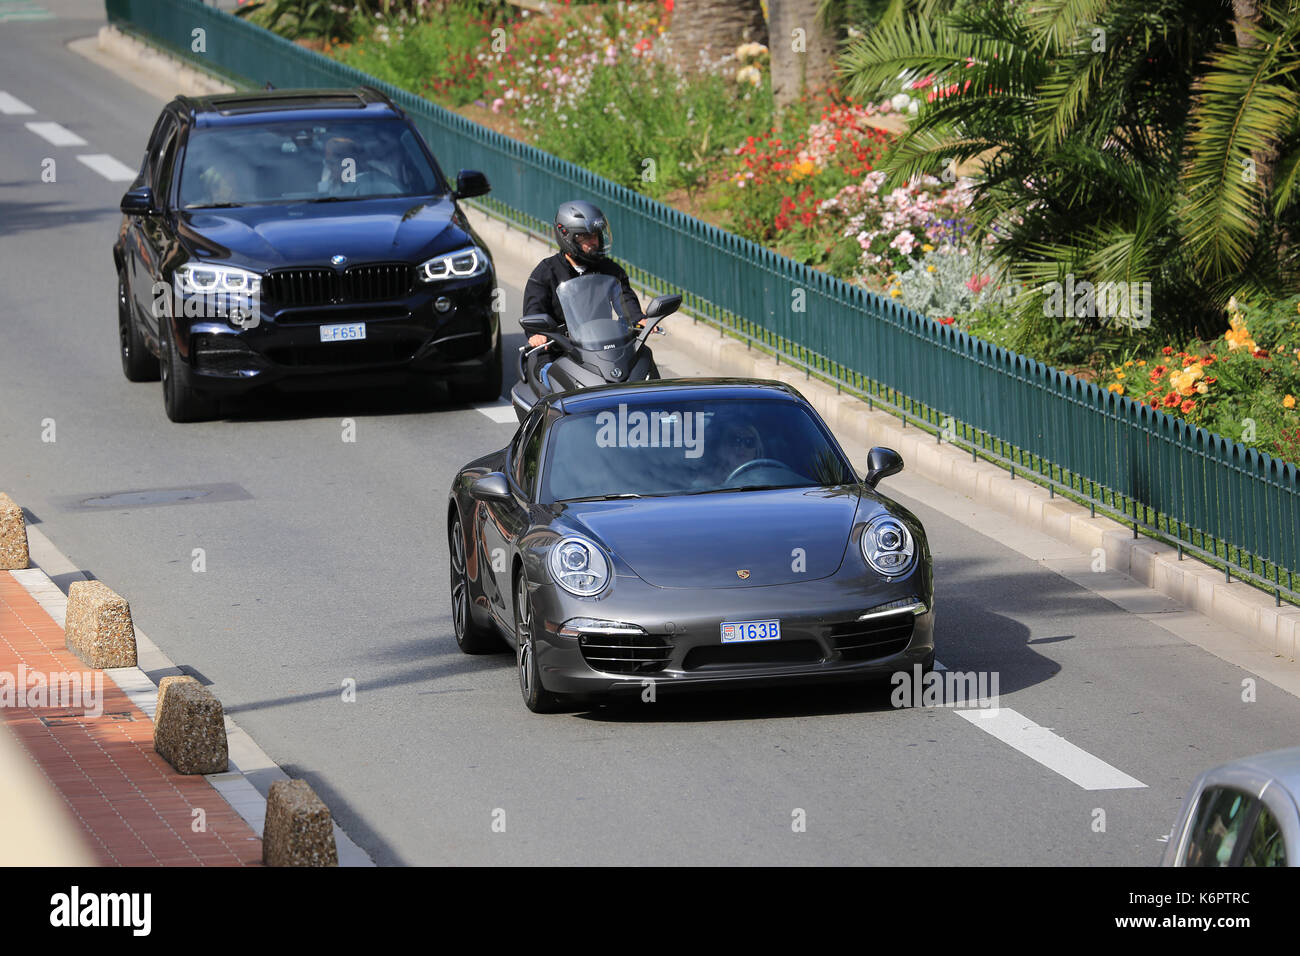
(247, 761)
(154, 69)
(1151, 563)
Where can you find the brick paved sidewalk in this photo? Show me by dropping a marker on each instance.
(134, 809)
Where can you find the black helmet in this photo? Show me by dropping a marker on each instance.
(577, 218)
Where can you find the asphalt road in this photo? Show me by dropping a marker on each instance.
(333, 567)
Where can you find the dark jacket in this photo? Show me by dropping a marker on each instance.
(539, 293)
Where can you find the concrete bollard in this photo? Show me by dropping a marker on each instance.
(98, 628)
(189, 729)
(162, 691)
(299, 829)
(13, 536)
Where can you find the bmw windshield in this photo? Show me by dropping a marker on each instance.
(593, 311)
(681, 447)
(319, 161)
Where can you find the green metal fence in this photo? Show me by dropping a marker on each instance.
(1209, 495)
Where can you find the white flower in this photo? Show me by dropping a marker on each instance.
(900, 101)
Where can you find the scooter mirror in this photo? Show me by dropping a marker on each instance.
(537, 322)
(663, 305)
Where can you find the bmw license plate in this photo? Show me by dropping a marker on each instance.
(742, 632)
(352, 332)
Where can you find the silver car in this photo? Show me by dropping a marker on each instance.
(1243, 813)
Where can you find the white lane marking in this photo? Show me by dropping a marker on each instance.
(108, 167)
(55, 134)
(1052, 751)
(503, 413)
(12, 106)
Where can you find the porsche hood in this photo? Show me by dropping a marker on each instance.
(726, 539)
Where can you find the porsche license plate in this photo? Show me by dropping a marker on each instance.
(352, 332)
(742, 632)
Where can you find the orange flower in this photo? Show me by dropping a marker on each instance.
(1288, 402)
(1238, 336)
(1171, 400)
(1187, 406)
(1168, 350)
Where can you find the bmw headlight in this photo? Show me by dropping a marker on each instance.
(888, 547)
(579, 567)
(461, 264)
(200, 278)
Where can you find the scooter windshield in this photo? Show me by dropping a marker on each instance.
(593, 311)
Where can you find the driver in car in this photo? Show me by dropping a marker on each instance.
(584, 237)
(738, 444)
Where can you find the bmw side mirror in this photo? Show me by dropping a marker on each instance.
(536, 323)
(493, 487)
(663, 305)
(881, 463)
(138, 202)
(471, 183)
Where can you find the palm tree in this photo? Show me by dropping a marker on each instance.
(1132, 141)
(714, 28)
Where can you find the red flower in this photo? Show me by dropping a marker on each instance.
(1260, 354)
(947, 320)
(1168, 350)
(1188, 406)
(1171, 400)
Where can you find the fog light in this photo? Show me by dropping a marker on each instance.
(442, 304)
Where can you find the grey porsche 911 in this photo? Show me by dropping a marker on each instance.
(684, 535)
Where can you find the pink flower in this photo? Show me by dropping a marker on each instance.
(976, 283)
(497, 104)
(904, 242)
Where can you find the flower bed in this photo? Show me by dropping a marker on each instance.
(1244, 385)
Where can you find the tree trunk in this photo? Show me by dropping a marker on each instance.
(1246, 14)
(802, 49)
(714, 28)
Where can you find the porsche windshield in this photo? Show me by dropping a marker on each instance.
(319, 161)
(682, 447)
(593, 311)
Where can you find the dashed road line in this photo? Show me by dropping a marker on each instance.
(55, 134)
(503, 413)
(1051, 750)
(12, 106)
(111, 169)
(15, 11)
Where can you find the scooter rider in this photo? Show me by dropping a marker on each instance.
(584, 237)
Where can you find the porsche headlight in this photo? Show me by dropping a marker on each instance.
(461, 264)
(199, 278)
(579, 567)
(888, 547)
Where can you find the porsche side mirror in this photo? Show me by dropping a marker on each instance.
(663, 305)
(881, 463)
(493, 487)
(138, 202)
(537, 322)
(471, 183)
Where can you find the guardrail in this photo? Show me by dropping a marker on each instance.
(1211, 496)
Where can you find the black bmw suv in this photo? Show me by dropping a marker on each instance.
(300, 239)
